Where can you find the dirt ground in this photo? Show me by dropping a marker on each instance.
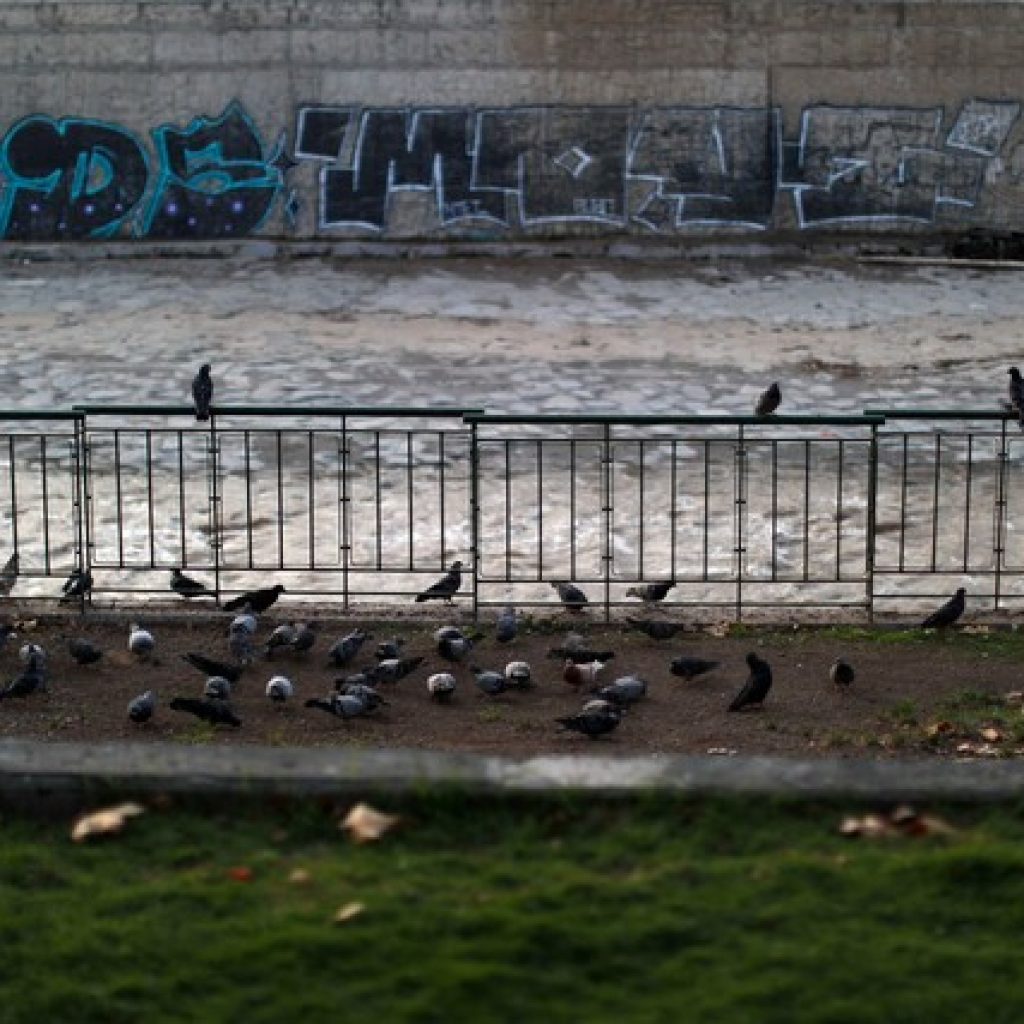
(899, 689)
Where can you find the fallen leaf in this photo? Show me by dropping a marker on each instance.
(991, 735)
(346, 913)
(300, 876)
(940, 729)
(240, 874)
(365, 824)
(107, 822)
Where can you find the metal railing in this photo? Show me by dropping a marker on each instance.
(359, 504)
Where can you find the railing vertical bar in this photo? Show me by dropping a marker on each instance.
(376, 501)
(642, 516)
(935, 501)
(968, 477)
(409, 499)
(607, 509)
(150, 516)
(775, 508)
(247, 446)
(344, 536)
(311, 497)
(707, 513)
(117, 487)
(839, 509)
(508, 509)
(441, 458)
(871, 523)
(740, 490)
(14, 492)
(1000, 515)
(280, 498)
(572, 508)
(216, 519)
(903, 505)
(673, 513)
(81, 490)
(540, 518)
(474, 514)
(182, 536)
(807, 510)
(46, 504)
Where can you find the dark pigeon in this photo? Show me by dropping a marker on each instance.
(141, 708)
(690, 668)
(490, 682)
(9, 575)
(455, 648)
(841, 673)
(212, 667)
(389, 649)
(445, 588)
(506, 626)
(579, 655)
(209, 709)
(392, 669)
(769, 401)
(651, 593)
(654, 628)
(570, 595)
(202, 392)
(283, 636)
(305, 638)
(593, 721)
(25, 683)
(257, 600)
(345, 650)
(1017, 394)
(218, 687)
(758, 683)
(187, 587)
(948, 613)
(623, 692)
(341, 705)
(76, 586)
(84, 652)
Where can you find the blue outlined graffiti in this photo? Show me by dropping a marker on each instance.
(68, 179)
(213, 179)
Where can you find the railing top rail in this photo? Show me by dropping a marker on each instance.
(942, 414)
(40, 414)
(432, 412)
(618, 419)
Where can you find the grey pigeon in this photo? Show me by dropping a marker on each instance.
(188, 587)
(624, 691)
(445, 588)
(365, 678)
(216, 712)
(345, 650)
(447, 633)
(491, 683)
(655, 628)
(140, 641)
(141, 708)
(769, 401)
(202, 392)
(389, 649)
(9, 575)
(257, 601)
(367, 694)
(948, 613)
(758, 683)
(77, 586)
(506, 626)
(217, 687)
(283, 636)
(570, 595)
(455, 649)
(651, 593)
(593, 721)
(244, 622)
(305, 638)
(241, 646)
(390, 670)
(1017, 394)
(280, 689)
(24, 684)
(841, 673)
(690, 668)
(212, 667)
(84, 652)
(441, 686)
(341, 705)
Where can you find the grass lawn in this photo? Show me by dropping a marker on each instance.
(519, 910)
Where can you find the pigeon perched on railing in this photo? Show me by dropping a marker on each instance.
(257, 601)
(758, 683)
(948, 613)
(841, 673)
(1017, 394)
(506, 625)
(690, 668)
(570, 595)
(345, 650)
(202, 392)
(216, 712)
(445, 588)
(655, 628)
(441, 686)
(77, 586)
(651, 593)
(9, 574)
(597, 719)
(280, 689)
(769, 401)
(141, 708)
(212, 667)
(140, 641)
(188, 587)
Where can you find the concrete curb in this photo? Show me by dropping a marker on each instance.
(37, 773)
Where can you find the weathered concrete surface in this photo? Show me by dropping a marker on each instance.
(37, 773)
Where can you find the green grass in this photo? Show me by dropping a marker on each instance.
(581, 910)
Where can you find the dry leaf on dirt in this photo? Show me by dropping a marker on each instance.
(346, 913)
(991, 735)
(107, 822)
(903, 821)
(365, 824)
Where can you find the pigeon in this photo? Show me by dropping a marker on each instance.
(305, 638)
(654, 628)
(769, 401)
(216, 712)
(188, 587)
(1017, 394)
(218, 687)
(367, 694)
(651, 593)
(9, 575)
(579, 655)
(445, 588)
(33, 656)
(570, 595)
(345, 650)
(948, 613)
(246, 622)
(212, 667)
(202, 393)
(24, 684)
(690, 668)
(389, 649)
(257, 601)
(6, 633)
(506, 626)
(140, 641)
(77, 586)
(280, 689)
(758, 683)
(579, 675)
(447, 633)
(141, 708)
(84, 652)
(341, 705)
(392, 669)
(455, 649)
(366, 678)
(441, 686)
(519, 675)
(593, 721)
(283, 636)
(491, 683)
(841, 673)
(241, 646)
(624, 691)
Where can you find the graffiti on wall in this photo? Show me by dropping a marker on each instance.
(496, 172)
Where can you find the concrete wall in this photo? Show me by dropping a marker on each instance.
(509, 119)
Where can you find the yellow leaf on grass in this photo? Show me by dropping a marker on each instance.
(365, 824)
(991, 735)
(346, 913)
(107, 822)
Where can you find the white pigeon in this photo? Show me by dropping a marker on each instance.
(33, 654)
(280, 689)
(441, 686)
(140, 641)
(518, 673)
